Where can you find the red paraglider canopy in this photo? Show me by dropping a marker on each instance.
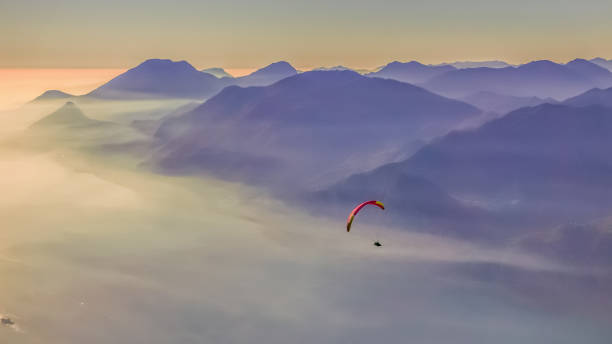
(349, 221)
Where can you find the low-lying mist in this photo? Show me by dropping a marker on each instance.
(97, 250)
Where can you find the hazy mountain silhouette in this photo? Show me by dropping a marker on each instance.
(538, 166)
(52, 95)
(476, 64)
(157, 78)
(539, 78)
(602, 63)
(68, 126)
(316, 125)
(68, 116)
(502, 104)
(267, 75)
(410, 72)
(599, 75)
(594, 96)
(333, 68)
(218, 72)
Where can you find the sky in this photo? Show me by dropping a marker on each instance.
(244, 34)
(20, 85)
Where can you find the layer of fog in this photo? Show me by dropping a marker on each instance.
(95, 250)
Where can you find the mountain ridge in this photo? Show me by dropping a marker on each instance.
(412, 72)
(543, 79)
(533, 169)
(305, 114)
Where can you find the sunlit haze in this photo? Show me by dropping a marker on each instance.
(20, 85)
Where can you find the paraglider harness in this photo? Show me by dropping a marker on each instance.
(7, 321)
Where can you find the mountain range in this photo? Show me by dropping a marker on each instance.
(541, 79)
(477, 64)
(327, 69)
(267, 75)
(158, 78)
(411, 72)
(538, 176)
(536, 166)
(311, 127)
(218, 72)
(602, 63)
(594, 96)
(502, 104)
(161, 79)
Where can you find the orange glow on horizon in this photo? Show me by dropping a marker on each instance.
(20, 85)
(237, 72)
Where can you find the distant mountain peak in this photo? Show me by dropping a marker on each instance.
(540, 63)
(607, 64)
(68, 114)
(268, 74)
(52, 94)
(542, 78)
(333, 68)
(326, 78)
(410, 72)
(161, 78)
(161, 62)
(218, 72)
(398, 64)
(165, 64)
(413, 62)
(303, 115)
(279, 67)
(586, 64)
(578, 60)
(477, 64)
(594, 96)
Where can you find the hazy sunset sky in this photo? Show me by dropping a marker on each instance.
(246, 34)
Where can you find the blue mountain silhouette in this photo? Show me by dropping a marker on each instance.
(161, 78)
(602, 63)
(536, 166)
(502, 104)
(218, 72)
(317, 125)
(594, 96)
(411, 72)
(267, 75)
(542, 79)
(157, 78)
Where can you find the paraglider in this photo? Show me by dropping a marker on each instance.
(7, 321)
(358, 208)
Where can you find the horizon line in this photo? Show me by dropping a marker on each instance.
(243, 69)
